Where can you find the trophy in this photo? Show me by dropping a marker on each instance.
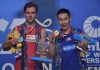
(42, 48)
(41, 53)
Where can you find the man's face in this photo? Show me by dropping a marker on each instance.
(30, 14)
(64, 20)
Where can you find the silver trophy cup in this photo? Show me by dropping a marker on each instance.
(42, 49)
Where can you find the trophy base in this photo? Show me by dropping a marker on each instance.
(41, 59)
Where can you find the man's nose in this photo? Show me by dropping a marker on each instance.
(62, 21)
(30, 14)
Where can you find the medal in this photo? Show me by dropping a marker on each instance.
(56, 33)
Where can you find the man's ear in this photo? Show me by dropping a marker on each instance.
(24, 14)
(70, 18)
(36, 15)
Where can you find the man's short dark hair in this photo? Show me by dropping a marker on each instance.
(31, 4)
(63, 11)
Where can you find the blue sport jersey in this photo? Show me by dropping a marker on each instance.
(67, 56)
(70, 55)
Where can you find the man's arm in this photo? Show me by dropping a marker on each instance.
(43, 35)
(43, 51)
(52, 45)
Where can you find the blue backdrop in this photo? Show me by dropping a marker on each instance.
(85, 16)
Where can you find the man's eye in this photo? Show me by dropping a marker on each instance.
(27, 12)
(33, 12)
(60, 19)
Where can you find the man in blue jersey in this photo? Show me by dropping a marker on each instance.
(63, 44)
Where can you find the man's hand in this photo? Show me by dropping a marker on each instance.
(7, 45)
(52, 37)
(43, 53)
(83, 45)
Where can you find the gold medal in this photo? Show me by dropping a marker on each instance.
(56, 33)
